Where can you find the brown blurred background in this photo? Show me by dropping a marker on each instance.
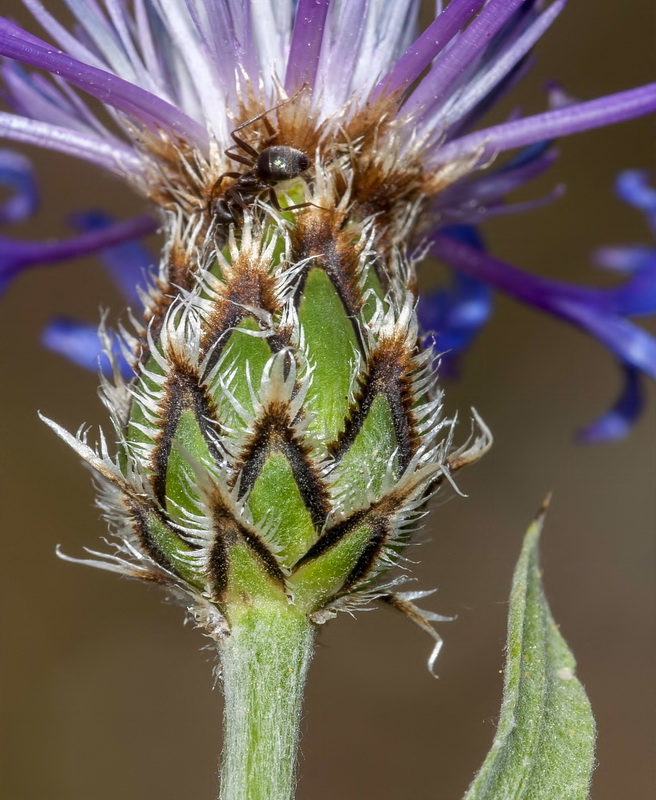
(106, 695)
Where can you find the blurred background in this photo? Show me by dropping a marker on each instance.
(106, 694)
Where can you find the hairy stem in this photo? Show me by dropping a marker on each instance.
(265, 661)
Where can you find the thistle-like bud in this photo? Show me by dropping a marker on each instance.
(284, 430)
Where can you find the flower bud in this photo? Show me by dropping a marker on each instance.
(284, 429)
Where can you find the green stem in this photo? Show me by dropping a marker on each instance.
(265, 661)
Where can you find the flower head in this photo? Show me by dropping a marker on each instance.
(282, 430)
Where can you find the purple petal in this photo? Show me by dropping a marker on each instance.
(16, 173)
(362, 38)
(305, 48)
(26, 99)
(477, 194)
(11, 28)
(560, 122)
(498, 68)
(529, 157)
(638, 294)
(445, 75)
(499, 208)
(60, 34)
(111, 38)
(18, 255)
(630, 344)
(616, 422)
(110, 89)
(82, 345)
(121, 160)
(489, 101)
(192, 70)
(232, 35)
(55, 102)
(50, 100)
(127, 262)
(428, 46)
(147, 37)
(340, 51)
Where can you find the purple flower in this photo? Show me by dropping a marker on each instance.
(176, 77)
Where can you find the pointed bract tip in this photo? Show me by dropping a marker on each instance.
(543, 508)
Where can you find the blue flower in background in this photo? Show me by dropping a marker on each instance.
(126, 260)
(458, 312)
(635, 297)
(172, 77)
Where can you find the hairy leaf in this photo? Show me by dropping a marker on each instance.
(544, 744)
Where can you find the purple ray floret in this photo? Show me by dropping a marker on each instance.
(599, 312)
(428, 46)
(17, 255)
(456, 313)
(560, 122)
(617, 422)
(500, 64)
(484, 195)
(627, 258)
(109, 156)
(462, 55)
(116, 92)
(305, 48)
(633, 187)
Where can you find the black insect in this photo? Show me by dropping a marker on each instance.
(267, 168)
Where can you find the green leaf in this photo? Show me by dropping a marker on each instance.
(544, 744)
